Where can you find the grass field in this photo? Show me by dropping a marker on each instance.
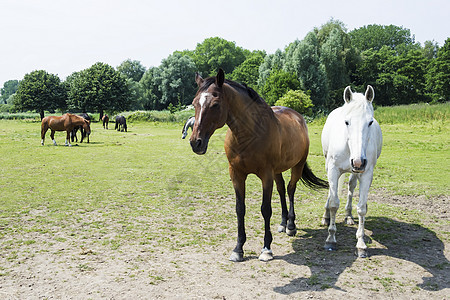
(147, 189)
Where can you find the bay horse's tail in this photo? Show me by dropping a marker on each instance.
(311, 181)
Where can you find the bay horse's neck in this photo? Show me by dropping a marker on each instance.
(247, 116)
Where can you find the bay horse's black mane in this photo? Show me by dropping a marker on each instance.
(242, 87)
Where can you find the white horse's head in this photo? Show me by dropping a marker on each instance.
(358, 118)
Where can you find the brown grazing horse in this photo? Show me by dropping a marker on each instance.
(105, 120)
(66, 122)
(260, 140)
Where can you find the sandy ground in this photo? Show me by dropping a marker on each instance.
(414, 265)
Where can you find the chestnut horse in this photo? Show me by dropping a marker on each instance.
(105, 120)
(66, 122)
(260, 140)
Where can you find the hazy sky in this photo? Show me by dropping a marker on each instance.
(62, 36)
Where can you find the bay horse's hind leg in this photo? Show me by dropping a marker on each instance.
(296, 174)
(44, 129)
(284, 211)
(348, 207)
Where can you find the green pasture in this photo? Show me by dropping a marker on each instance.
(146, 187)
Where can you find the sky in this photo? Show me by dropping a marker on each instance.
(66, 36)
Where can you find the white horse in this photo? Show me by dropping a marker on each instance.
(351, 143)
(189, 123)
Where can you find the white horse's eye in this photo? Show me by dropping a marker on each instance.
(347, 123)
(370, 123)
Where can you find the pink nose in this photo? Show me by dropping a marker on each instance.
(359, 164)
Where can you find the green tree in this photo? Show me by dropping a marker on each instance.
(377, 36)
(271, 62)
(298, 101)
(40, 91)
(214, 53)
(248, 71)
(132, 69)
(170, 83)
(9, 88)
(98, 88)
(277, 84)
(438, 75)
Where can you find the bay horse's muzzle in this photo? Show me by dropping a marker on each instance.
(199, 146)
(358, 165)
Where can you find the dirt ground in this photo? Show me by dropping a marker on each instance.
(414, 265)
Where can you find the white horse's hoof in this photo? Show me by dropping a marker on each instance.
(361, 253)
(266, 255)
(236, 257)
(281, 228)
(330, 246)
(349, 220)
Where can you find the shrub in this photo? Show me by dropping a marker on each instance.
(298, 101)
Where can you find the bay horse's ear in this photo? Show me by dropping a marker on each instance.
(370, 93)
(348, 94)
(220, 78)
(199, 79)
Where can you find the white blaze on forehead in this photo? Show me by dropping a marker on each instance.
(202, 101)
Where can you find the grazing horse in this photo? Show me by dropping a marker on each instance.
(189, 123)
(73, 134)
(66, 122)
(105, 120)
(121, 123)
(351, 142)
(260, 140)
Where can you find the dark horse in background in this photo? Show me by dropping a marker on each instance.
(66, 122)
(73, 135)
(260, 140)
(105, 120)
(121, 123)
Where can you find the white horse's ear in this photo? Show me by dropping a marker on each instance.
(370, 93)
(348, 94)
(198, 79)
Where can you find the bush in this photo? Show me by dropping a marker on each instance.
(298, 101)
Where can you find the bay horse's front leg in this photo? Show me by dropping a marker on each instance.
(266, 210)
(364, 184)
(68, 138)
(238, 180)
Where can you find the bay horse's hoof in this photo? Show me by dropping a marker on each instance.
(361, 253)
(266, 255)
(236, 257)
(291, 232)
(330, 246)
(281, 228)
(326, 221)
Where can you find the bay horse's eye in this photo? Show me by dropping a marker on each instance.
(370, 123)
(215, 95)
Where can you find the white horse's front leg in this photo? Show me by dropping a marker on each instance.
(348, 207)
(331, 208)
(364, 184)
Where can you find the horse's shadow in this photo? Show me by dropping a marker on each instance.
(409, 242)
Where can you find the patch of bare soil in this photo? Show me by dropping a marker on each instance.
(407, 261)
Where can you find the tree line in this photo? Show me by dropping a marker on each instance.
(309, 75)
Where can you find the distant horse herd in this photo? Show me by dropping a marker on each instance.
(267, 141)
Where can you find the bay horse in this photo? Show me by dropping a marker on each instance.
(73, 134)
(189, 124)
(260, 140)
(66, 122)
(121, 123)
(105, 120)
(351, 143)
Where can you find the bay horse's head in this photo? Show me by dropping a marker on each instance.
(87, 126)
(358, 118)
(211, 110)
